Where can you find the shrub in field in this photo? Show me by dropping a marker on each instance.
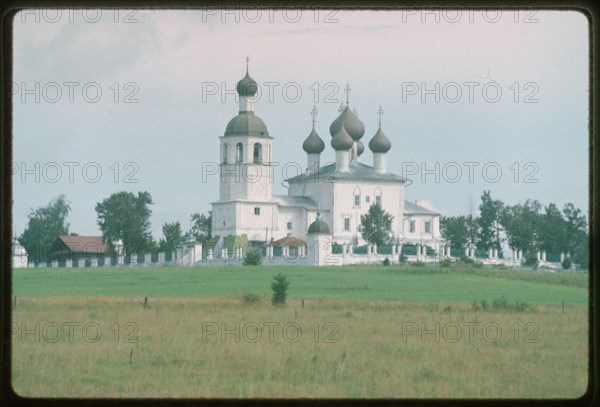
(279, 286)
(386, 262)
(402, 258)
(566, 264)
(253, 257)
(418, 264)
(250, 298)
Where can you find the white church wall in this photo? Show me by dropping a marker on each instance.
(298, 218)
(257, 226)
(223, 218)
(392, 200)
(419, 227)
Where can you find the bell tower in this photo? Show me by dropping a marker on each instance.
(246, 171)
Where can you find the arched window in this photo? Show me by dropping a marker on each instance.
(357, 196)
(257, 153)
(224, 153)
(239, 153)
(378, 196)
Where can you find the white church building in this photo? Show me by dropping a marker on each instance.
(340, 191)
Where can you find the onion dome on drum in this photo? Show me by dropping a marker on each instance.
(380, 143)
(318, 226)
(354, 127)
(247, 86)
(342, 140)
(313, 143)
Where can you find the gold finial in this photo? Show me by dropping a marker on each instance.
(313, 113)
(247, 62)
(380, 113)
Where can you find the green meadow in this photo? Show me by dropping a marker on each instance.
(392, 332)
(394, 283)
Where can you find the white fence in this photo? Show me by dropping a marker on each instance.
(193, 255)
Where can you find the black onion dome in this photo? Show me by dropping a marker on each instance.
(380, 143)
(360, 148)
(247, 86)
(354, 127)
(342, 140)
(313, 143)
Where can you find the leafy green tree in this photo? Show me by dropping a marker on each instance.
(125, 216)
(45, 225)
(473, 229)
(252, 257)
(455, 231)
(172, 236)
(376, 225)
(552, 230)
(577, 237)
(521, 223)
(201, 226)
(279, 286)
(489, 222)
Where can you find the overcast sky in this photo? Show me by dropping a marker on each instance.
(110, 101)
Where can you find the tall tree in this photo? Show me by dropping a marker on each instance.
(125, 216)
(489, 222)
(45, 225)
(577, 238)
(522, 223)
(552, 230)
(201, 226)
(473, 229)
(172, 236)
(376, 225)
(455, 231)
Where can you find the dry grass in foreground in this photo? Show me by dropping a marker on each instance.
(116, 347)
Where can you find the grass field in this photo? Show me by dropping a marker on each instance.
(363, 332)
(406, 283)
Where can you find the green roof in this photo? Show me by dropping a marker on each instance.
(318, 226)
(247, 123)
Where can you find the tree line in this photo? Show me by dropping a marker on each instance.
(123, 216)
(527, 226)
